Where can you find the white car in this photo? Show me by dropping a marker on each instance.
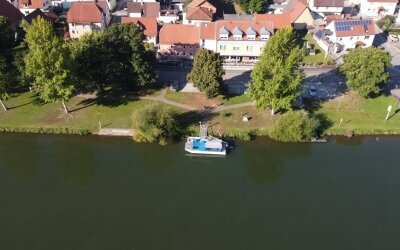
(312, 90)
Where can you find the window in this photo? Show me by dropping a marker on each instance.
(351, 38)
(236, 48)
(366, 37)
(249, 48)
(264, 37)
(73, 32)
(251, 37)
(172, 53)
(340, 39)
(184, 46)
(26, 12)
(223, 37)
(237, 37)
(222, 47)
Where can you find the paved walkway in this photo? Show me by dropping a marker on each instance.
(161, 98)
(115, 132)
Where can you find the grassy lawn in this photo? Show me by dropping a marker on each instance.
(362, 116)
(319, 57)
(85, 114)
(199, 100)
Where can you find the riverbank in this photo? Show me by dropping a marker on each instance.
(345, 115)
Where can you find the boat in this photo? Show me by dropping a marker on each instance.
(205, 144)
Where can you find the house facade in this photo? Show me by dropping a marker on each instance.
(236, 41)
(342, 35)
(324, 7)
(28, 6)
(85, 17)
(378, 8)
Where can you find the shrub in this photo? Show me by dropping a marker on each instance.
(153, 123)
(294, 126)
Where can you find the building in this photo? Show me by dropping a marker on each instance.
(85, 17)
(148, 26)
(143, 9)
(292, 13)
(199, 11)
(178, 41)
(378, 8)
(324, 7)
(237, 41)
(9, 11)
(28, 6)
(341, 35)
(66, 4)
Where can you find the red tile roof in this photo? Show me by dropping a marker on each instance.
(179, 34)
(151, 10)
(356, 29)
(85, 12)
(199, 13)
(210, 31)
(196, 3)
(294, 8)
(9, 11)
(279, 20)
(32, 4)
(149, 25)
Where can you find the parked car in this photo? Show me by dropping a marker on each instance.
(312, 90)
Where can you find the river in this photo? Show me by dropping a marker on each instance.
(66, 192)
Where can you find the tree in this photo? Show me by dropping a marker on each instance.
(276, 78)
(129, 60)
(252, 6)
(6, 35)
(207, 72)
(6, 43)
(48, 63)
(153, 123)
(294, 126)
(366, 70)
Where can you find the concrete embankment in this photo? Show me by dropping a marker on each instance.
(115, 132)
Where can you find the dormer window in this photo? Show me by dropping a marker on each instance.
(223, 33)
(251, 34)
(237, 33)
(264, 33)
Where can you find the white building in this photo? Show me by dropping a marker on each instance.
(28, 6)
(378, 8)
(85, 17)
(326, 6)
(341, 35)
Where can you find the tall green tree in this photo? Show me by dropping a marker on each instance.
(366, 70)
(252, 6)
(207, 72)
(6, 70)
(48, 63)
(276, 78)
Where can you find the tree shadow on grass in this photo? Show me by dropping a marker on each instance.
(113, 97)
(190, 118)
(21, 105)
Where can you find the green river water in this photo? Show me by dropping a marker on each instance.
(60, 192)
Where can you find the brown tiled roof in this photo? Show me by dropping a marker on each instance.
(243, 25)
(135, 7)
(8, 10)
(32, 4)
(199, 13)
(294, 8)
(328, 3)
(179, 34)
(84, 12)
(196, 3)
(279, 20)
(356, 30)
(149, 25)
(151, 10)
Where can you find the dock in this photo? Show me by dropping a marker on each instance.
(115, 132)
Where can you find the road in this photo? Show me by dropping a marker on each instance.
(329, 84)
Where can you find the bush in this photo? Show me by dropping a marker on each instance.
(294, 126)
(153, 123)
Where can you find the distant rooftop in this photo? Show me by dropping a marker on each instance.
(233, 17)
